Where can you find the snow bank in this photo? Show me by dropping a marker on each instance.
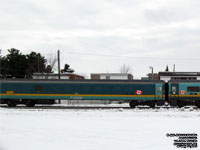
(82, 129)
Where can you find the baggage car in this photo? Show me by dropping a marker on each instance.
(135, 92)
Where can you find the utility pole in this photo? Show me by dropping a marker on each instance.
(38, 64)
(59, 64)
(59, 70)
(174, 67)
(0, 73)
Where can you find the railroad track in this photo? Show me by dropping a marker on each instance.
(89, 107)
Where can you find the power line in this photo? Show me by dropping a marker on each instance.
(156, 58)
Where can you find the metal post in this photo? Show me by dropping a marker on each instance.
(174, 68)
(38, 64)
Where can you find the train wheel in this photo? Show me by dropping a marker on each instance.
(30, 103)
(180, 104)
(133, 104)
(152, 105)
(11, 103)
(198, 105)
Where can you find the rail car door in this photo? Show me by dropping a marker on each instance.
(159, 91)
(174, 91)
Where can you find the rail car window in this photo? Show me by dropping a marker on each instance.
(193, 89)
(159, 89)
(173, 88)
(174, 78)
(38, 88)
(192, 78)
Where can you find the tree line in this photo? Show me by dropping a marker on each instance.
(18, 65)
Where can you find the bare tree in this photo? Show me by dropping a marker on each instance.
(51, 62)
(125, 69)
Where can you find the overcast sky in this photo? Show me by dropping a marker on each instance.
(99, 36)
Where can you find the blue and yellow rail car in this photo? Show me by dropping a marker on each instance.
(182, 93)
(136, 92)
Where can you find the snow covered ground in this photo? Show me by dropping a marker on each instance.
(94, 129)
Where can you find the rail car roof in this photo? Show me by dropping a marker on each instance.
(185, 81)
(79, 81)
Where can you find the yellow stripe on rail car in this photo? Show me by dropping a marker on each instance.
(95, 95)
(184, 95)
